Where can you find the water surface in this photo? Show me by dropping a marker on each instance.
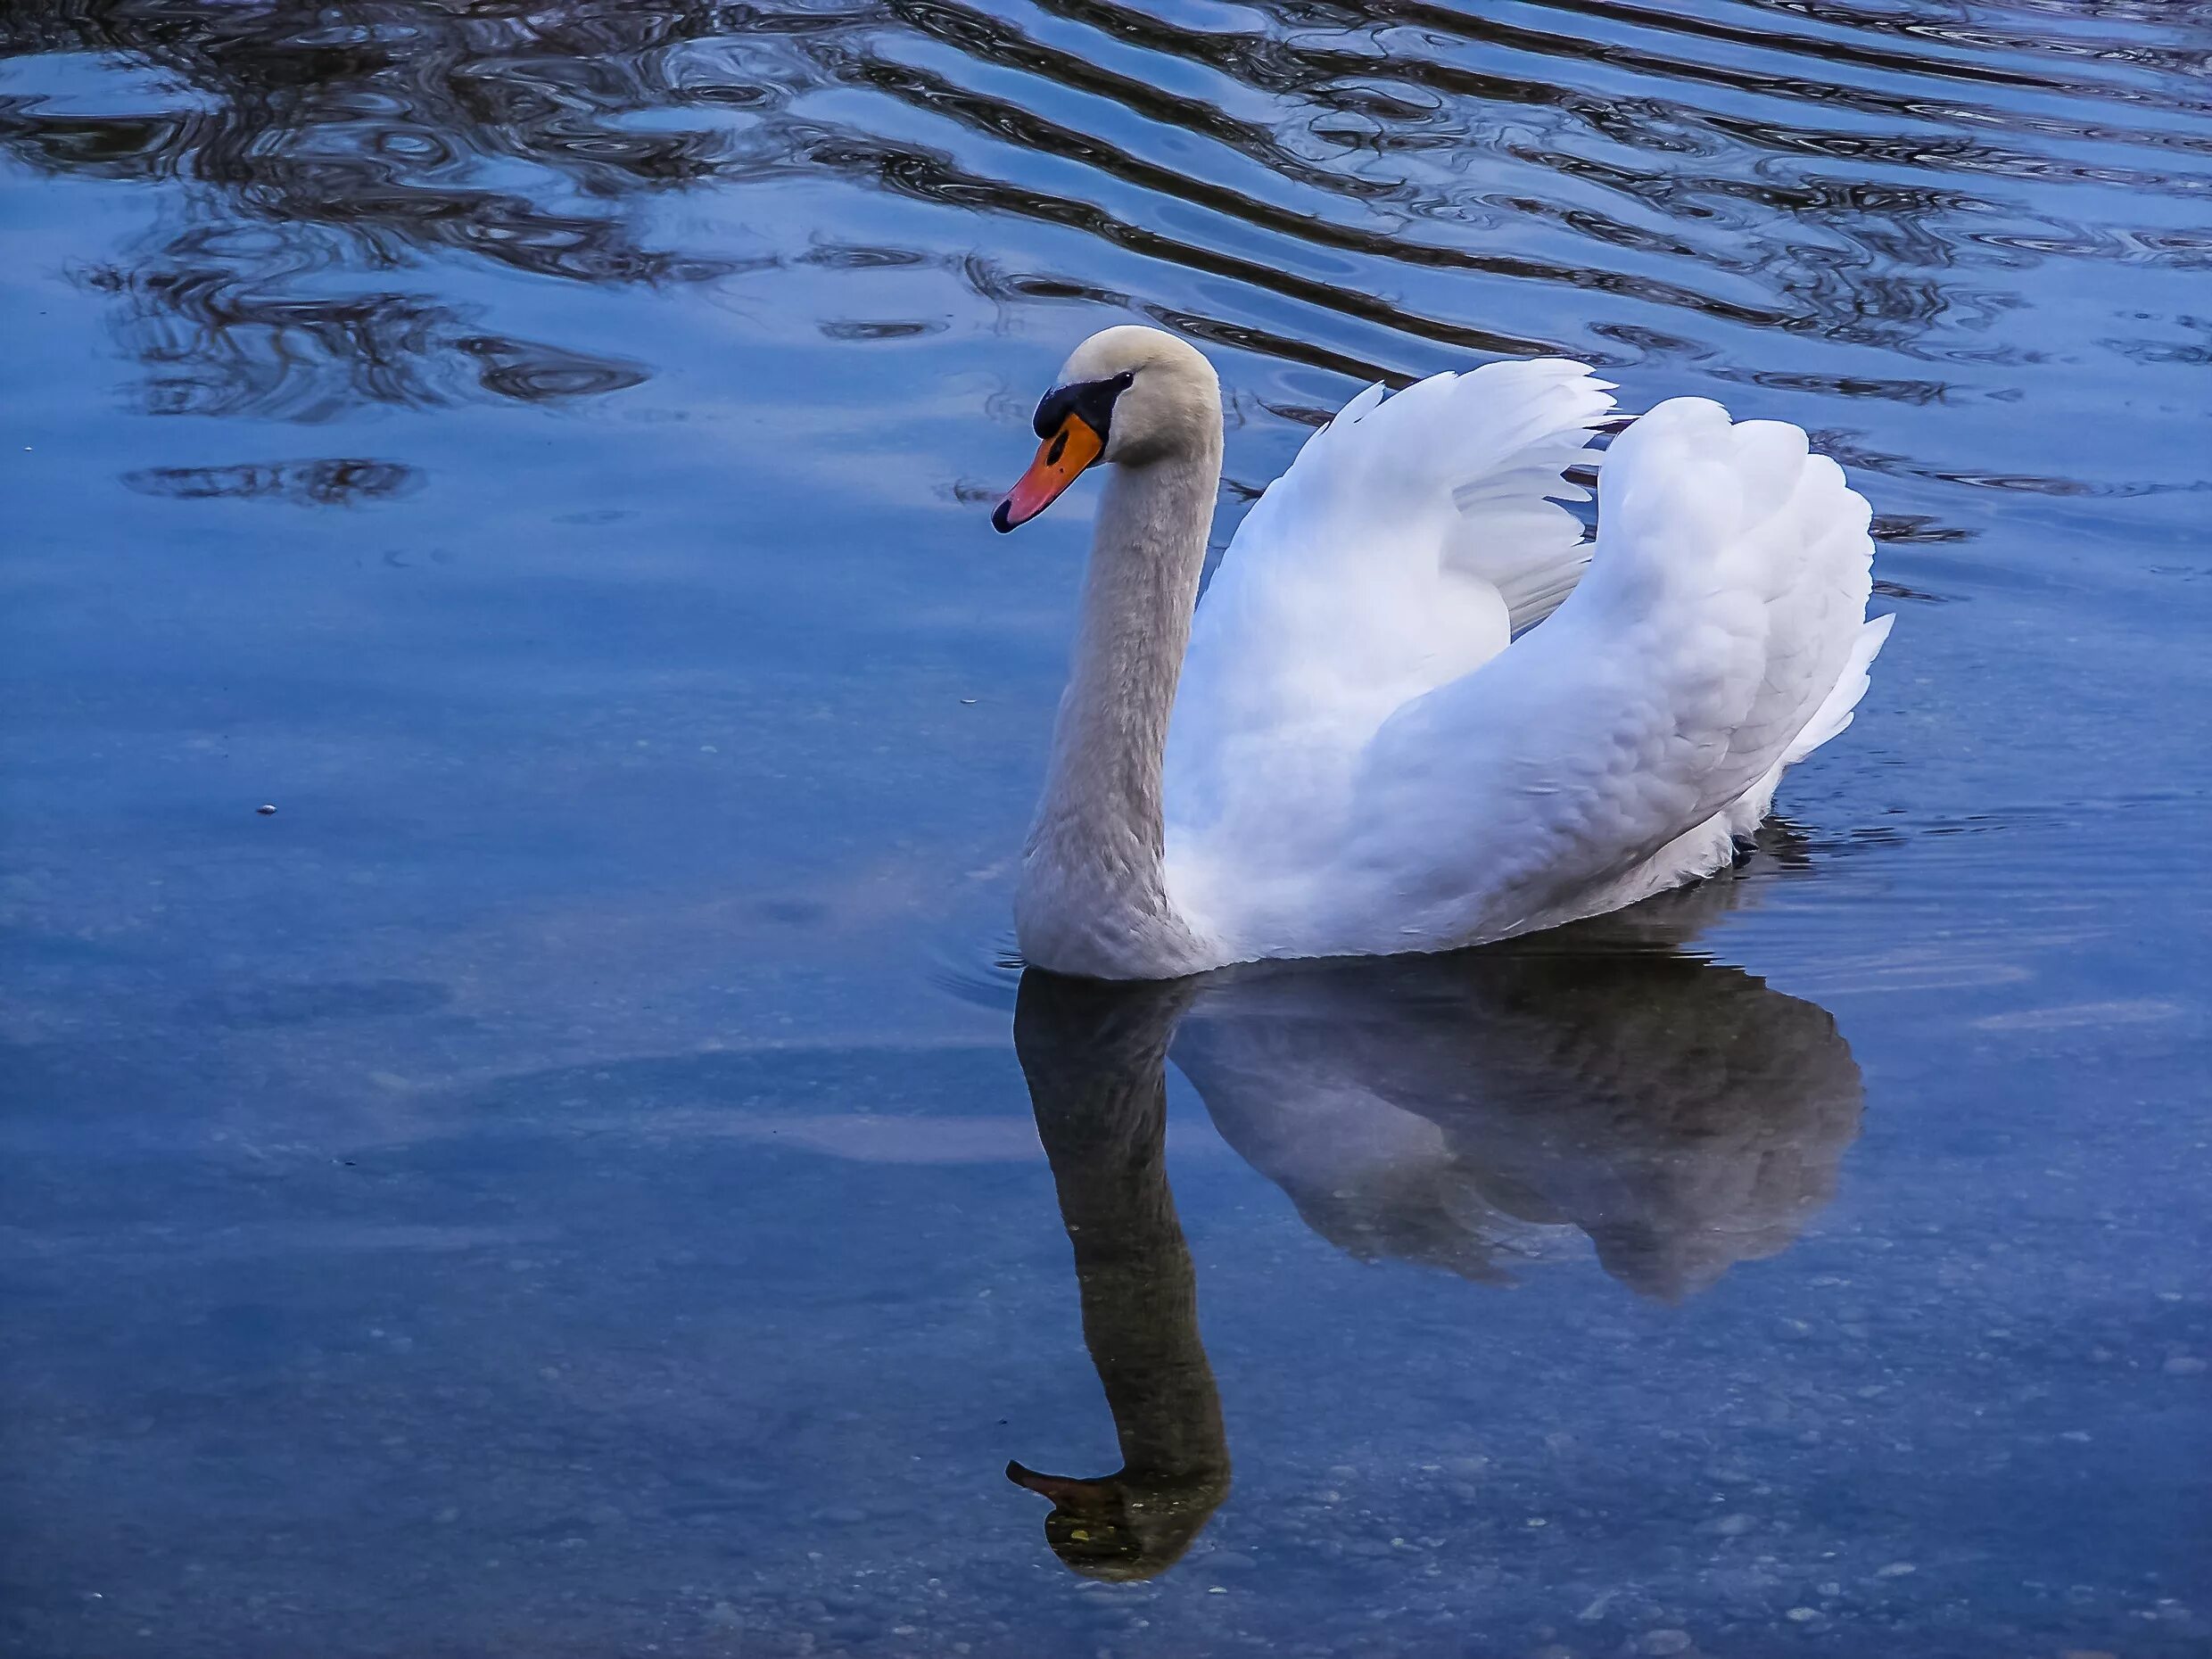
(574, 1179)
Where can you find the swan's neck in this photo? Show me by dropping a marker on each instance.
(1093, 897)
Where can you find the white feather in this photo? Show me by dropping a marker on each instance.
(1360, 762)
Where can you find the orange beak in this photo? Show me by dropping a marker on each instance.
(1059, 459)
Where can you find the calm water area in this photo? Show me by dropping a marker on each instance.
(585, 1176)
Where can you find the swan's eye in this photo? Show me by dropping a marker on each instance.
(1091, 400)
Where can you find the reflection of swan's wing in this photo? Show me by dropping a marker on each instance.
(1297, 1097)
(1682, 1115)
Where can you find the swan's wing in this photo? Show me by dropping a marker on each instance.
(1407, 540)
(1718, 633)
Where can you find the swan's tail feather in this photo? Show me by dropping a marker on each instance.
(1733, 566)
(1838, 711)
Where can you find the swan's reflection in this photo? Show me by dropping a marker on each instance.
(1094, 1055)
(1465, 1112)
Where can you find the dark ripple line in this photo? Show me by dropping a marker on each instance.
(932, 177)
(1957, 154)
(1862, 100)
(1700, 26)
(993, 40)
(1308, 70)
(1196, 325)
(989, 281)
(1017, 126)
(988, 39)
(1862, 307)
(335, 482)
(197, 329)
(1846, 448)
(2163, 14)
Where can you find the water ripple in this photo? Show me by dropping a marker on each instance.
(1380, 182)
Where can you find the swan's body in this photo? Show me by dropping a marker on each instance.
(1414, 712)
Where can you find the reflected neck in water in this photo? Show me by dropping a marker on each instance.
(1094, 1057)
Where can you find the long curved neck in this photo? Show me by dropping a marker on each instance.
(1093, 880)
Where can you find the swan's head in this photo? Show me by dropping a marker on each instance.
(1129, 396)
(1121, 1528)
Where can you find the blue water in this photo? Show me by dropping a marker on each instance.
(566, 1181)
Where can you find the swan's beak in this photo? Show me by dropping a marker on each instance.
(1080, 1498)
(1059, 458)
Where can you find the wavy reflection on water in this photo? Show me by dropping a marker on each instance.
(1606, 178)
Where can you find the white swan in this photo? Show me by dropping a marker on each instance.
(1369, 755)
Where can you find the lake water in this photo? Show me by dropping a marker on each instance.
(566, 1183)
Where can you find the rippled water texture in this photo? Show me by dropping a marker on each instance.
(577, 1177)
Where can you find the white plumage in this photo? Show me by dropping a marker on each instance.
(1416, 712)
